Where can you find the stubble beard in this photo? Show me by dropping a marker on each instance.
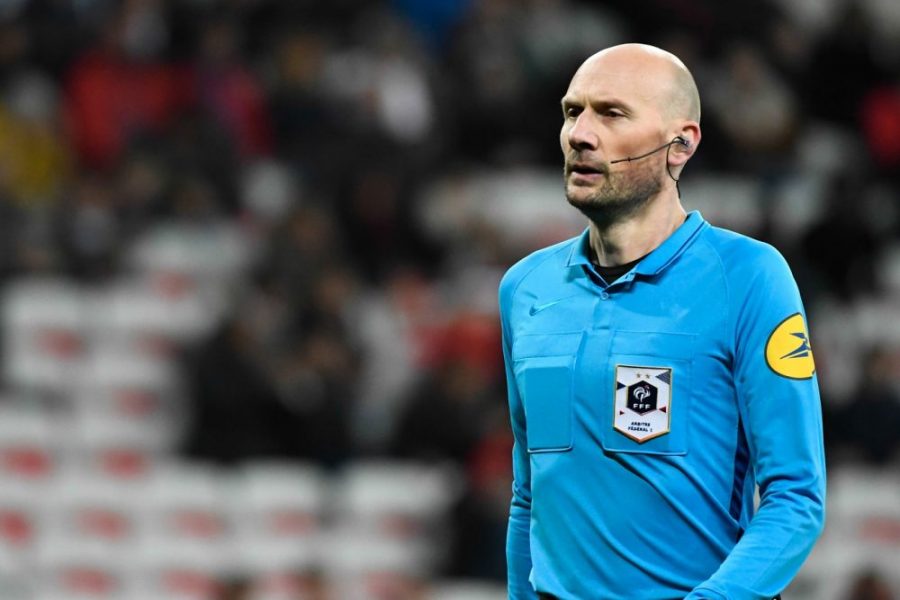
(619, 196)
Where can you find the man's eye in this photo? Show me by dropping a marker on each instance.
(614, 113)
(572, 112)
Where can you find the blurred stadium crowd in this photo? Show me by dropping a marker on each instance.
(250, 251)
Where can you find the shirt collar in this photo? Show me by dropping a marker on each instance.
(658, 259)
(580, 253)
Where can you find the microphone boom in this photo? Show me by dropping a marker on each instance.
(645, 155)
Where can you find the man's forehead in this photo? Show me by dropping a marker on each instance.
(626, 76)
(627, 85)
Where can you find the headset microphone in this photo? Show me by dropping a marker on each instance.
(676, 140)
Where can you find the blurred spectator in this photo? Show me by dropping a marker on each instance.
(195, 199)
(880, 118)
(382, 84)
(318, 373)
(230, 91)
(841, 246)
(755, 109)
(557, 35)
(269, 191)
(91, 235)
(481, 516)
(458, 413)
(376, 214)
(870, 585)
(236, 413)
(441, 421)
(435, 20)
(306, 118)
(15, 42)
(122, 89)
(143, 183)
(235, 589)
(847, 48)
(34, 160)
(486, 63)
(290, 397)
(307, 244)
(872, 419)
(396, 324)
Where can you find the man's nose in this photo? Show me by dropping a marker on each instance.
(581, 135)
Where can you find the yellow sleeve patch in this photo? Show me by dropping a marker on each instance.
(788, 352)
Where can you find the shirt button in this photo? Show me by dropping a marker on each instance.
(604, 295)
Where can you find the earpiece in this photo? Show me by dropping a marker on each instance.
(680, 140)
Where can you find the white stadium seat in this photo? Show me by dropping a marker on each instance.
(466, 590)
(83, 505)
(80, 570)
(187, 502)
(46, 332)
(279, 500)
(182, 570)
(30, 443)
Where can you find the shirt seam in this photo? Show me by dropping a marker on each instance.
(522, 279)
(728, 317)
(732, 338)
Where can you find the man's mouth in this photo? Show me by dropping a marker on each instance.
(585, 169)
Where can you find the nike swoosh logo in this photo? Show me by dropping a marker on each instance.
(539, 307)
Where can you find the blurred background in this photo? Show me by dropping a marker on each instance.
(249, 253)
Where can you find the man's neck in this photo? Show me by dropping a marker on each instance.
(637, 235)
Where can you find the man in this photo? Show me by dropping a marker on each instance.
(658, 369)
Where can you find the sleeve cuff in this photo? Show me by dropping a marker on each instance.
(705, 593)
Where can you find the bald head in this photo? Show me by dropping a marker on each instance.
(652, 73)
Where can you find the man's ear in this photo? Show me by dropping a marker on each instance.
(686, 142)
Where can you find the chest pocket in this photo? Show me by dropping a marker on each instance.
(544, 367)
(647, 403)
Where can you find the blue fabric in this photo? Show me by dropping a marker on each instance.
(598, 514)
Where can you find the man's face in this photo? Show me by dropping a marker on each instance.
(612, 110)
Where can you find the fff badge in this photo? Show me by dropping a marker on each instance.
(643, 402)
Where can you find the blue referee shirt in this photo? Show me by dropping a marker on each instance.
(646, 412)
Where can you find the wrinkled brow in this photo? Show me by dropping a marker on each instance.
(568, 102)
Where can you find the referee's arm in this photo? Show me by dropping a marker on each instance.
(518, 548)
(782, 419)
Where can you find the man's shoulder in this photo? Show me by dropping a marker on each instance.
(749, 266)
(739, 252)
(552, 257)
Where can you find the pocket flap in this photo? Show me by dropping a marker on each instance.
(546, 344)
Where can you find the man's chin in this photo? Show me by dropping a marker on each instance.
(582, 198)
(589, 206)
(604, 210)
